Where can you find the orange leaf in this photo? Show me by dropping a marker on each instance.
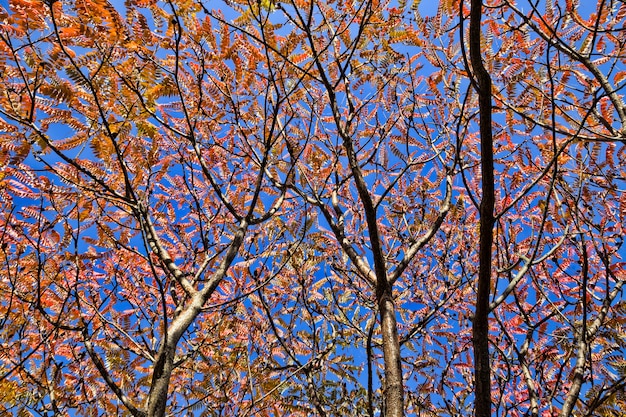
(619, 77)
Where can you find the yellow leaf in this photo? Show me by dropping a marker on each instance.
(268, 5)
(42, 143)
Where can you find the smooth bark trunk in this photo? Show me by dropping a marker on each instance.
(394, 390)
(480, 328)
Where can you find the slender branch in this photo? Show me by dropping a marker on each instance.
(416, 246)
(108, 379)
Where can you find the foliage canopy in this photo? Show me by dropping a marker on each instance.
(308, 207)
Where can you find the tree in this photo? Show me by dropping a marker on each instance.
(312, 208)
(554, 54)
(149, 199)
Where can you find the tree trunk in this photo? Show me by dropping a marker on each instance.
(394, 390)
(480, 329)
(157, 399)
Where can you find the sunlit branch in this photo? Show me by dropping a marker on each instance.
(416, 246)
(157, 247)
